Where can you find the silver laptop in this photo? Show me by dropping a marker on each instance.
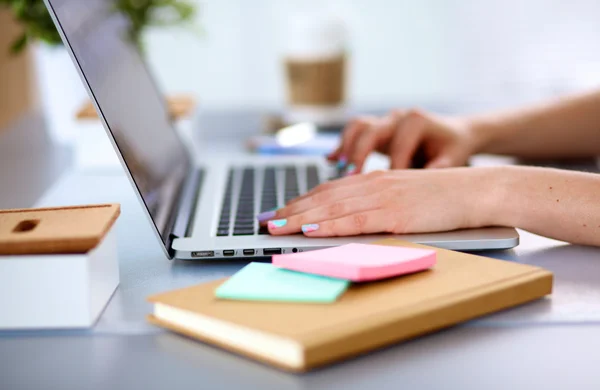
(201, 206)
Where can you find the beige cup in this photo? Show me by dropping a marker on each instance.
(316, 81)
(315, 63)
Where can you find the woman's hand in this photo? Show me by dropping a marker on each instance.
(406, 201)
(444, 141)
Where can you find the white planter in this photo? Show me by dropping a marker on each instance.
(61, 92)
(58, 291)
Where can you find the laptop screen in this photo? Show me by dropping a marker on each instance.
(132, 108)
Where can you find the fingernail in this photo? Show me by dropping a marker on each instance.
(311, 227)
(351, 170)
(342, 161)
(266, 215)
(278, 223)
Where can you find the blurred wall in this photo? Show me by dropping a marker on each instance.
(468, 52)
(398, 49)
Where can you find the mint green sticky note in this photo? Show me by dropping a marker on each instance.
(264, 282)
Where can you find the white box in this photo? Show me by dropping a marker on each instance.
(58, 290)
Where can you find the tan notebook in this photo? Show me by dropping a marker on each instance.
(298, 337)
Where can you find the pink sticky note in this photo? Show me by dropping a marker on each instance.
(359, 262)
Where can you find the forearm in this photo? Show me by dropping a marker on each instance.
(568, 128)
(558, 204)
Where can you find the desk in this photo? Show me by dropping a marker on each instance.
(550, 344)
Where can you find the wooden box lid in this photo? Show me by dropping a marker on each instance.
(179, 107)
(76, 229)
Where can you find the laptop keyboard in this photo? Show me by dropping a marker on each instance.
(276, 184)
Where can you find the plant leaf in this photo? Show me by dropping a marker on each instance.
(19, 44)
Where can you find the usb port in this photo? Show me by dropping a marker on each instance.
(248, 252)
(271, 251)
(228, 252)
(203, 254)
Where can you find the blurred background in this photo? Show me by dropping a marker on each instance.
(402, 52)
(447, 55)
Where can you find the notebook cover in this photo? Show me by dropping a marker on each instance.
(372, 315)
(75, 229)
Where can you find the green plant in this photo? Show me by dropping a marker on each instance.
(38, 25)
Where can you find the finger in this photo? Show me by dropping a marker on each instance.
(406, 140)
(324, 198)
(350, 180)
(357, 126)
(378, 134)
(335, 155)
(310, 199)
(441, 161)
(293, 224)
(364, 222)
(448, 158)
(393, 119)
(363, 145)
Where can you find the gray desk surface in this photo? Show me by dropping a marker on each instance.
(552, 343)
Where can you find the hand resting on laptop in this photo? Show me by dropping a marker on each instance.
(555, 203)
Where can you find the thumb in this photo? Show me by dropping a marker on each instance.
(444, 160)
(406, 141)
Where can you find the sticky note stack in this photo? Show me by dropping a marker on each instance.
(321, 276)
(264, 282)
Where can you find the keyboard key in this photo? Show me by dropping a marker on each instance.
(244, 222)
(243, 232)
(222, 232)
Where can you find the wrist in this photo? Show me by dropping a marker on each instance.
(491, 196)
(481, 133)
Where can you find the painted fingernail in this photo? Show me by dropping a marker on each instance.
(342, 161)
(278, 223)
(266, 215)
(311, 227)
(351, 170)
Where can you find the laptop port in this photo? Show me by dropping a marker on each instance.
(248, 252)
(271, 251)
(203, 254)
(228, 252)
